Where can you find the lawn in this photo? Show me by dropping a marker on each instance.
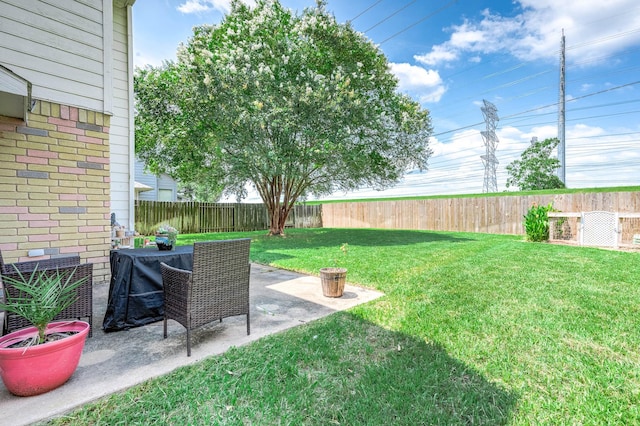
(473, 329)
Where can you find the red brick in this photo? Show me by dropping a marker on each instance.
(31, 160)
(33, 216)
(71, 130)
(8, 127)
(89, 139)
(98, 160)
(44, 237)
(14, 209)
(73, 197)
(64, 112)
(61, 122)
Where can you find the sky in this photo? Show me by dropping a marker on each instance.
(453, 56)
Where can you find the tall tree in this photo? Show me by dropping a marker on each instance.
(536, 168)
(295, 104)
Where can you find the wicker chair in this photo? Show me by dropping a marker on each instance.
(56, 262)
(218, 286)
(81, 309)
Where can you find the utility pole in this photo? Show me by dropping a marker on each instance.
(490, 113)
(561, 115)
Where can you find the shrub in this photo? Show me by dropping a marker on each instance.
(536, 222)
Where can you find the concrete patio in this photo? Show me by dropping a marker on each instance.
(115, 361)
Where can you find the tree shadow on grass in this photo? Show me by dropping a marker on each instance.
(334, 238)
(330, 237)
(385, 375)
(345, 370)
(341, 369)
(379, 237)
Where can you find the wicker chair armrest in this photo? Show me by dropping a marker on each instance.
(53, 263)
(79, 271)
(175, 280)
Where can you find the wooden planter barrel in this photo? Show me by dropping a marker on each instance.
(333, 280)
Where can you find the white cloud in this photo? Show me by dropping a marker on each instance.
(586, 87)
(439, 54)
(203, 6)
(584, 131)
(425, 85)
(200, 6)
(594, 29)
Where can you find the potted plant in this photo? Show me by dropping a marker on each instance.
(166, 237)
(38, 359)
(333, 279)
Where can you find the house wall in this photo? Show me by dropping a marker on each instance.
(54, 185)
(69, 165)
(58, 47)
(122, 138)
(162, 182)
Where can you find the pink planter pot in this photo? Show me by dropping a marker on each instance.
(41, 368)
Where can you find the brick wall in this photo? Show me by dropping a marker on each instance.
(54, 186)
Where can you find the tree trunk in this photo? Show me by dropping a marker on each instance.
(279, 195)
(274, 225)
(278, 220)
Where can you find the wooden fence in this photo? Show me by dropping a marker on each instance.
(194, 217)
(496, 215)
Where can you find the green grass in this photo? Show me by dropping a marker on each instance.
(473, 329)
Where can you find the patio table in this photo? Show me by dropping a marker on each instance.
(135, 292)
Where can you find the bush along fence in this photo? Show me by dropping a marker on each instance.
(195, 217)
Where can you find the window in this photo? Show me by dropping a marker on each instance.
(165, 195)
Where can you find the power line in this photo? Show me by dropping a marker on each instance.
(509, 119)
(609, 104)
(390, 16)
(612, 134)
(365, 11)
(585, 118)
(531, 92)
(610, 146)
(530, 77)
(538, 90)
(446, 6)
(574, 99)
(603, 39)
(520, 65)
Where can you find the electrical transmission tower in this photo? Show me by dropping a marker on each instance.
(490, 113)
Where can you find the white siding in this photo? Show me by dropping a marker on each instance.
(121, 142)
(58, 46)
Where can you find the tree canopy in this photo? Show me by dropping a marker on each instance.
(536, 168)
(294, 104)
